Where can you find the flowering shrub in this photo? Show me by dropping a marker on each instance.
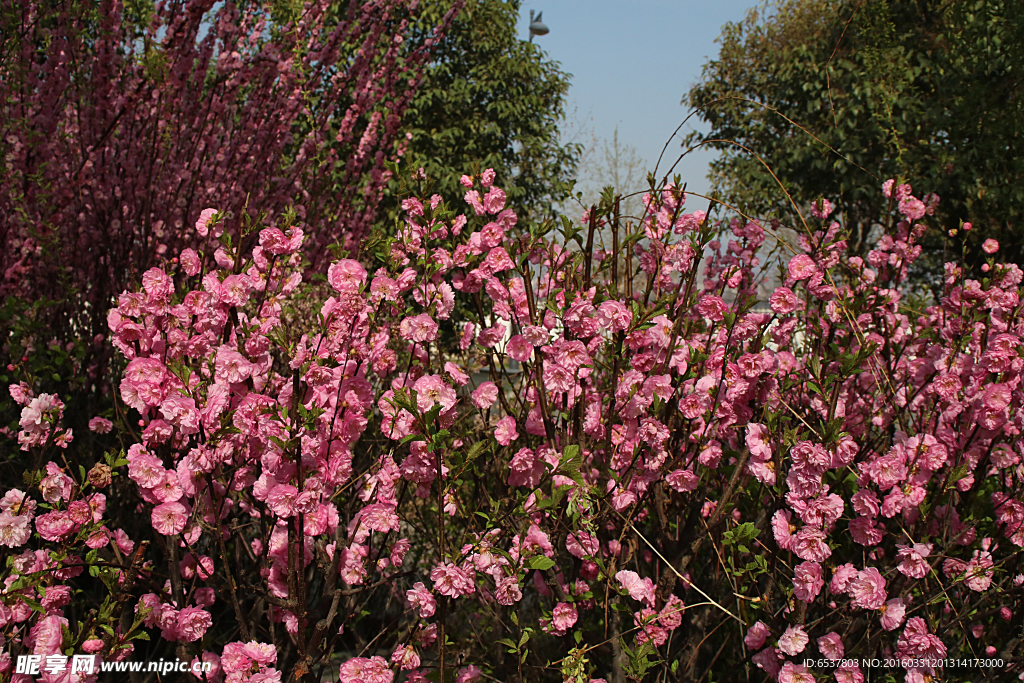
(617, 466)
(119, 122)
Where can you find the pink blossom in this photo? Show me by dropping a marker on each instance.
(192, 624)
(802, 267)
(756, 635)
(913, 560)
(202, 224)
(913, 208)
(763, 470)
(144, 468)
(821, 209)
(865, 531)
(979, 572)
(346, 275)
(21, 393)
(849, 674)
(181, 411)
(420, 328)
(831, 645)
(892, 614)
(581, 544)
(505, 433)
(491, 235)
(783, 301)
(485, 395)
(563, 616)
(379, 517)
(755, 442)
(273, 241)
(473, 199)
(431, 390)
(807, 581)
(768, 660)
(234, 290)
(242, 657)
(518, 348)
(158, 285)
(460, 377)
(793, 641)
(55, 486)
(281, 500)
(383, 288)
(15, 530)
(46, 636)
(468, 674)
(990, 246)
(352, 567)
(363, 670)
(915, 641)
(867, 590)
(507, 591)
(231, 366)
(618, 318)
(468, 336)
(712, 307)
(682, 480)
(639, 589)
(810, 544)
(650, 628)
(421, 599)
(671, 616)
(54, 526)
(169, 518)
(795, 673)
(496, 261)
(100, 425)
(452, 581)
(17, 502)
(92, 646)
(783, 529)
(405, 657)
(494, 200)
(490, 336)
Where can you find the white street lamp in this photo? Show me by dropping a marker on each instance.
(537, 27)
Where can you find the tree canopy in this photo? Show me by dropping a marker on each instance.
(837, 96)
(490, 100)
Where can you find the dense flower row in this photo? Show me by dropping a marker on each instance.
(640, 428)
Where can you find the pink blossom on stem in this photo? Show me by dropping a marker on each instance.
(421, 599)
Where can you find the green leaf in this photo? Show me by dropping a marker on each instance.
(507, 642)
(540, 562)
(36, 607)
(476, 450)
(741, 536)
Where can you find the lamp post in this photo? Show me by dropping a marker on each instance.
(537, 27)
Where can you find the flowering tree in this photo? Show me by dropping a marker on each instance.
(117, 125)
(614, 470)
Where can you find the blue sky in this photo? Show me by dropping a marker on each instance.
(631, 63)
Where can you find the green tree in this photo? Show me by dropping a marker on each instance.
(924, 90)
(490, 100)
